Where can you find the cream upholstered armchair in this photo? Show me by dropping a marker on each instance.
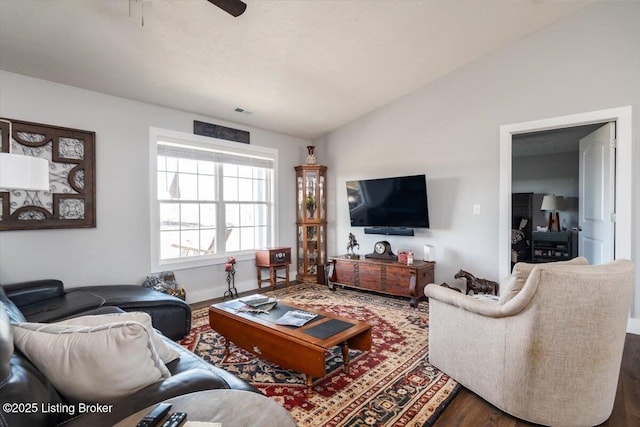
(549, 351)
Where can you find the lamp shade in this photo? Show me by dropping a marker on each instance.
(23, 172)
(552, 203)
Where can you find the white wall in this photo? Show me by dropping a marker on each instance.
(549, 174)
(449, 130)
(117, 251)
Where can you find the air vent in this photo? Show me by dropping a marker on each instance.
(242, 110)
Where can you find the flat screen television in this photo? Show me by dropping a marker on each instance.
(389, 202)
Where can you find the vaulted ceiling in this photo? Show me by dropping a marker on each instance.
(297, 67)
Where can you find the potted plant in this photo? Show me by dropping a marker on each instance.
(311, 204)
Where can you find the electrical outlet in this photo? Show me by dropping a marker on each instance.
(476, 209)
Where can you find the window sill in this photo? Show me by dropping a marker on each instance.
(203, 261)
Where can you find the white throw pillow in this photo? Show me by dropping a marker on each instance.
(166, 353)
(92, 364)
(510, 287)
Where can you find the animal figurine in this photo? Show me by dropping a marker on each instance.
(478, 285)
(352, 244)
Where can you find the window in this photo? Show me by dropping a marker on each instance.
(211, 198)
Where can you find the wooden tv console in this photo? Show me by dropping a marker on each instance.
(385, 276)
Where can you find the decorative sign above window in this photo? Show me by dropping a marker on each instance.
(220, 132)
(70, 201)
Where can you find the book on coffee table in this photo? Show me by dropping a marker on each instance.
(257, 300)
(252, 304)
(295, 318)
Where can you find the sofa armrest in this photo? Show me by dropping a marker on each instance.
(26, 293)
(472, 305)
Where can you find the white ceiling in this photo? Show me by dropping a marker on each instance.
(300, 67)
(562, 140)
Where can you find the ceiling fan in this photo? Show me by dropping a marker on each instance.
(232, 7)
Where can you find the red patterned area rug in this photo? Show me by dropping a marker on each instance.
(391, 385)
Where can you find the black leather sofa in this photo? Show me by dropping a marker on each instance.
(29, 391)
(45, 301)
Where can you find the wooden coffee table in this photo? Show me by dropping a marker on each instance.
(301, 349)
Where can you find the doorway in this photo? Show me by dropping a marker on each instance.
(622, 118)
(567, 167)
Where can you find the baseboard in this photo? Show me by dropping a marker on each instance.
(194, 297)
(218, 291)
(633, 325)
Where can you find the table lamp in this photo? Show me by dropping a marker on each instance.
(553, 204)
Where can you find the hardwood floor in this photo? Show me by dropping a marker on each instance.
(266, 288)
(468, 409)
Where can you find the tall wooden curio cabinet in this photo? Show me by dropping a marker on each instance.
(311, 220)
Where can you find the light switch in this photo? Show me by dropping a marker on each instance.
(476, 209)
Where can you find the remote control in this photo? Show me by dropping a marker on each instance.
(154, 417)
(175, 419)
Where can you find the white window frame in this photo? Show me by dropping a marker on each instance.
(165, 135)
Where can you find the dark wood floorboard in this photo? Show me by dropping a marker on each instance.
(468, 409)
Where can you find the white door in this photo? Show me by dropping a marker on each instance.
(597, 195)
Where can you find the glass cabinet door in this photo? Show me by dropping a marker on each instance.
(322, 204)
(300, 197)
(322, 245)
(312, 248)
(300, 254)
(311, 197)
(311, 220)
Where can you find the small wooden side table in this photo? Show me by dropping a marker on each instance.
(274, 259)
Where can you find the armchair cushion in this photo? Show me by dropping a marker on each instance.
(92, 364)
(510, 287)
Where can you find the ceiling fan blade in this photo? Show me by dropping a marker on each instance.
(232, 7)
